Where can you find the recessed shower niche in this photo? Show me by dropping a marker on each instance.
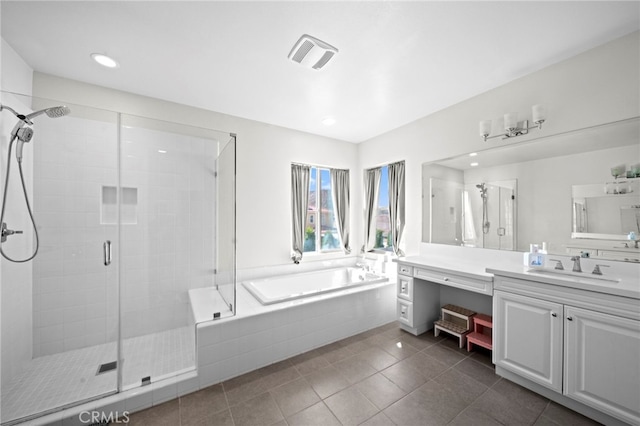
(128, 206)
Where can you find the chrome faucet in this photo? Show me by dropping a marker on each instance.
(558, 266)
(597, 270)
(576, 264)
(364, 265)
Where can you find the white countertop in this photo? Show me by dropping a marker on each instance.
(628, 286)
(482, 264)
(471, 268)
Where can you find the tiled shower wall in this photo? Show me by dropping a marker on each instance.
(167, 231)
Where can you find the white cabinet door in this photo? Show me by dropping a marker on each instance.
(602, 362)
(528, 338)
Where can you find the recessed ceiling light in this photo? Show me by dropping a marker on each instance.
(162, 151)
(104, 60)
(473, 154)
(328, 121)
(474, 164)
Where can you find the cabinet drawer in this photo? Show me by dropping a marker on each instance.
(477, 286)
(405, 270)
(405, 312)
(405, 288)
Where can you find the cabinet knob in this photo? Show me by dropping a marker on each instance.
(446, 278)
(553, 314)
(570, 318)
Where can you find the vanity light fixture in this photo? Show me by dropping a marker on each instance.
(104, 60)
(512, 126)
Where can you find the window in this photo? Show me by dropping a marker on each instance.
(383, 223)
(321, 233)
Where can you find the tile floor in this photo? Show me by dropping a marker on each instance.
(56, 380)
(381, 377)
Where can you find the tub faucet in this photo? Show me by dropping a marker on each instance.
(365, 267)
(576, 264)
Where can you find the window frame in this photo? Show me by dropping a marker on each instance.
(317, 212)
(389, 248)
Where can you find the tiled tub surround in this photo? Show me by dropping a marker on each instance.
(260, 335)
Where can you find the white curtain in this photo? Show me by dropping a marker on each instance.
(341, 200)
(299, 205)
(396, 204)
(371, 187)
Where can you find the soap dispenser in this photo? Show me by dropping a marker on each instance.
(535, 258)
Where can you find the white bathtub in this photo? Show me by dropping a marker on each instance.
(295, 286)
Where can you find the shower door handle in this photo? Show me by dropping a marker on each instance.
(106, 247)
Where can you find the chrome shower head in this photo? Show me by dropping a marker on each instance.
(25, 134)
(53, 112)
(483, 189)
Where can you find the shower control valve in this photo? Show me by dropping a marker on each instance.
(6, 232)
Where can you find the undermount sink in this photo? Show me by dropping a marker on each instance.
(579, 276)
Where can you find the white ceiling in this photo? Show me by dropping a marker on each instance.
(397, 61)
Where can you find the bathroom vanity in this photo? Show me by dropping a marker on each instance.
(424, 284)
(572, 339)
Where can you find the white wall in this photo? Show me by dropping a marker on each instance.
(15, 279)
(595, 87)
(264, 155)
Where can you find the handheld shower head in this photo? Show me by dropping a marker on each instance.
(24, 134)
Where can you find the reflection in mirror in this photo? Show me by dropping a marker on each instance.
(473, 215)
(610, 214)
(529, 194)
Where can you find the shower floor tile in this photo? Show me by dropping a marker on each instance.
(58, 380)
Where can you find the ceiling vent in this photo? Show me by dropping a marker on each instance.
(311, 52)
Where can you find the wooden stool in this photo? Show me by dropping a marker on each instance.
(478, 337)
(456, 321)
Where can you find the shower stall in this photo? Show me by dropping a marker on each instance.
(130, 214)
(488, 218)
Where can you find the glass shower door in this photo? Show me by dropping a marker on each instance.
(59, 311)
(226, 226)
(168, 214)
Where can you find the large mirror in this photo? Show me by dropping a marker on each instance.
(550, 190)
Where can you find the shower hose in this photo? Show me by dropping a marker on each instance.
(26, 199)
